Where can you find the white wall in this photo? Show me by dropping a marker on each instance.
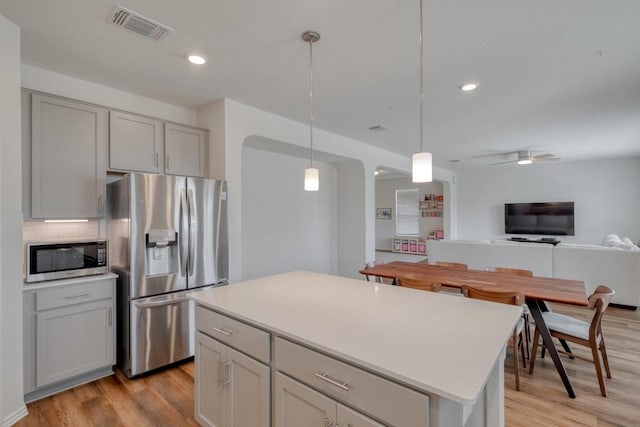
(242, 122)
(351, 214)
(386, 198)
(11, 390)
(605, 192)
(285, 228)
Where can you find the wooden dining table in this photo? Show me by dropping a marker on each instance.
(537, 290)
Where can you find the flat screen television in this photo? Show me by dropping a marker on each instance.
(550, 219)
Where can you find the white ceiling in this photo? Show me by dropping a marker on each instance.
(558, 76)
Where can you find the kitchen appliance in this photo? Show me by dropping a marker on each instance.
(168, 237)
(62, 260)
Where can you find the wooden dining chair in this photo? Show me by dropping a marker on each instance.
(504, 297)
(582, 333)
(418, 283)
(452, 264)
(525, 308)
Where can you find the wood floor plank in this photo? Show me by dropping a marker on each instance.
(165, 398)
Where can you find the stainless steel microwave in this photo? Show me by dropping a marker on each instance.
(63, 260)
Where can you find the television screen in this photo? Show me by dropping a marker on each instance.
(551, 219)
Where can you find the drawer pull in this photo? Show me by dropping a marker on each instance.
(325, 377)
(328, 423)
(76, 296)
(222, 331)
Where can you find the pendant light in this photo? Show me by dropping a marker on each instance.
(422, 169)
(311, 174)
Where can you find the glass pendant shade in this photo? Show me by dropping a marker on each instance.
(311, 179)
(422, 170)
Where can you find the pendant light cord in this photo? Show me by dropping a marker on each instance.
(311, 101)
(421, 81)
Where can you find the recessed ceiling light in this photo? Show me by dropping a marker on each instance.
(525, 162)
(376, 172)
(197, 59)
(469, 86)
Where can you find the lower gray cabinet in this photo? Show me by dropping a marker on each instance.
(73, 340)
(297, 405)
(232, 389)
(69, 334)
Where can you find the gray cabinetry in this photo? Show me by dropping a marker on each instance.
(185, 150)
(232, 389)
(69, 143)
(136, 143)
(300, 406)
(69, 335)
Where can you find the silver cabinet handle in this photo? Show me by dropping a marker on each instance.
(157, 159)
(328, 422)
(167, 162)
(110, 316)
(343, 385)
(222, 331)
(76, 296)
(228, 372)
(100, 205)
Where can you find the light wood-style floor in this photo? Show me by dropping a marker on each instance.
(166, 398)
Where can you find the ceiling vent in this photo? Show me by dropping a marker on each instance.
(132, 21)
(379, 128)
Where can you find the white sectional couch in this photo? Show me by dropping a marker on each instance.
(616, 268)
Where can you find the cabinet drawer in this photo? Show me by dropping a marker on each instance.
(390, 402)
(73, 294)
(250, 340)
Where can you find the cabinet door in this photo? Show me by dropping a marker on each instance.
(136, 143)
(185, 150)
(248, 391)
(73, 340)
(299, 406)
(69, 143)
(350, 418)
(210, 397)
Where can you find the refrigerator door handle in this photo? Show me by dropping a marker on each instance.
(172, 301)
(184, 233)
(193, 225)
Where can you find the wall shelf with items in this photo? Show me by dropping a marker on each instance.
(431, 205)
(409, 245)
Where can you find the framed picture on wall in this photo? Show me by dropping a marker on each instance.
(383, 213)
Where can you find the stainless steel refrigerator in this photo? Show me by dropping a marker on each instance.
(168, 236)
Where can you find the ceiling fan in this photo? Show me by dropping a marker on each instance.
(526, 157)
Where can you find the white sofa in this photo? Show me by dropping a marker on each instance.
(616, 268)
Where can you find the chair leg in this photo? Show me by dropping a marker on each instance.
(515, 360)
(605, 359)
(596, 361)
(534, 351)
(566, 347)
(523, 343)
(527, 333)
(544, 350)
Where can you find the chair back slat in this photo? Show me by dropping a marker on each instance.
(504, 297)
(418, 283)
(599, 301)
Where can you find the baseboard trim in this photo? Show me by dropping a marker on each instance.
(15, 417)
(626, 307)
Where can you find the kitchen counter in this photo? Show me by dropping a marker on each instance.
(441, 345)
(30, 286)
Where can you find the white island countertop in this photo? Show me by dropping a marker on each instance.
(437, 343)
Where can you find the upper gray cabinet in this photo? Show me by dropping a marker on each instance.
(184, 150)
(136, 143)
(143, 144)
(68, 158)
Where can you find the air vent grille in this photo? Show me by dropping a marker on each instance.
(132, 21)
(379, 128)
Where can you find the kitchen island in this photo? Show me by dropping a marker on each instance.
(308, 349)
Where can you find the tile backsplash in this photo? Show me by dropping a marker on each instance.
(43, 231)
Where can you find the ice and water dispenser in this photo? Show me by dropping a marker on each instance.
(162, 252)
